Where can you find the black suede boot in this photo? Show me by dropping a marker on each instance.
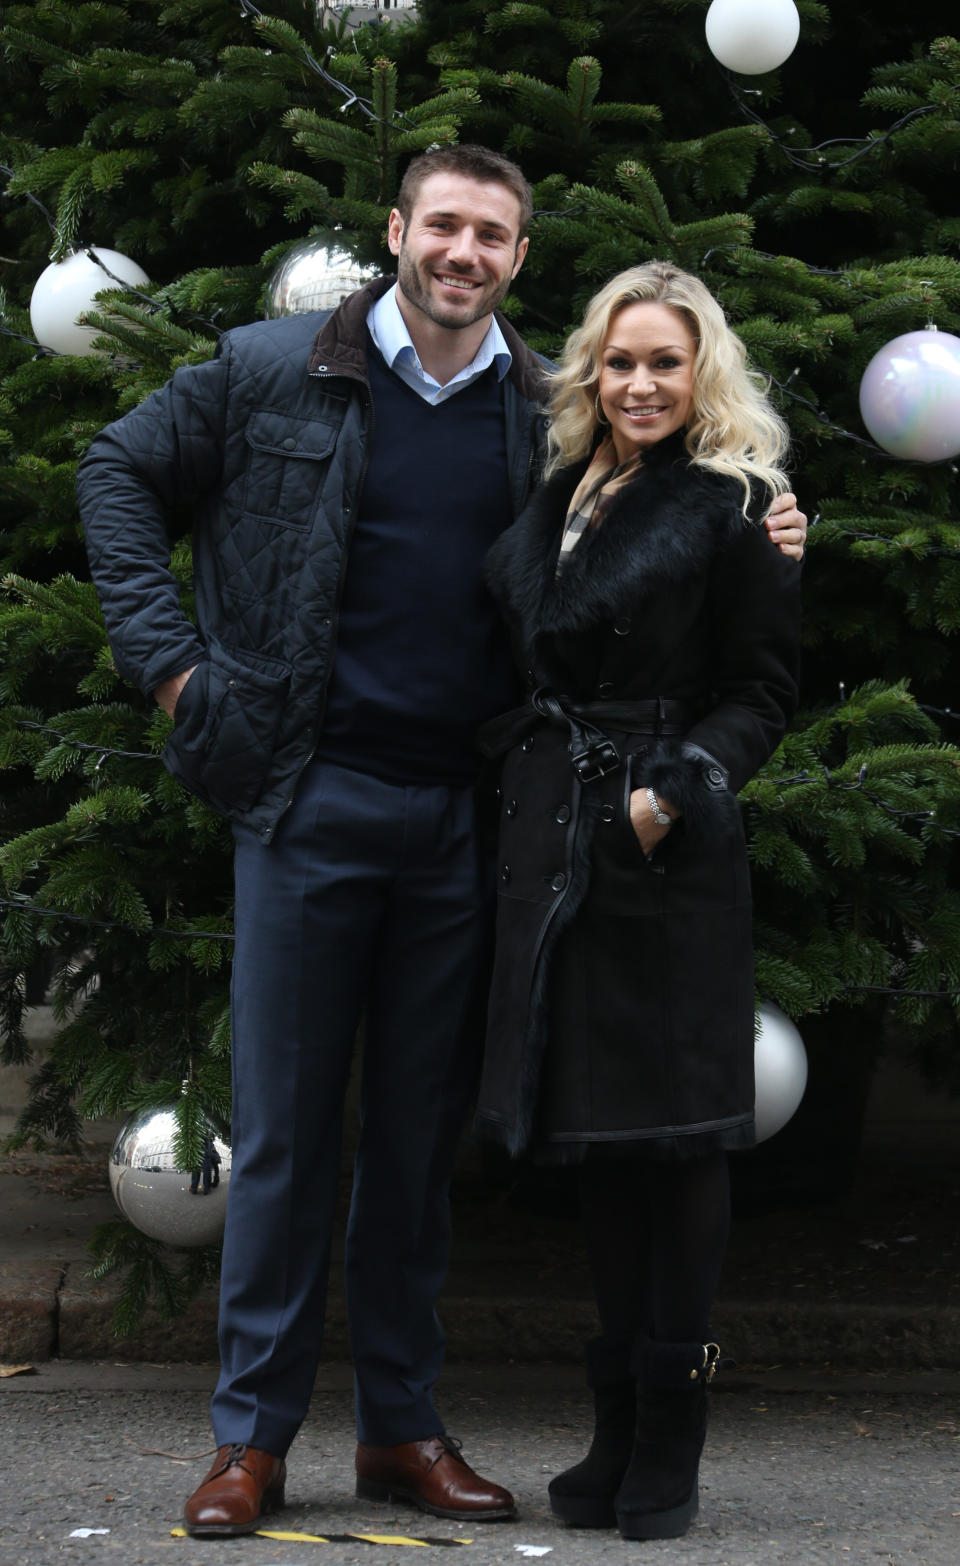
(658, 1497)
(583, 1496)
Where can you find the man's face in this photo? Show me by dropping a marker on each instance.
(460, 249)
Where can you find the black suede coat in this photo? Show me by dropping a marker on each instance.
(622, 1001)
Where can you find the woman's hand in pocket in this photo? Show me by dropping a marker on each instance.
(648, 830)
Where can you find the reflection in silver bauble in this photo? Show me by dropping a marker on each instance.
(314, 275)
(155, 1194)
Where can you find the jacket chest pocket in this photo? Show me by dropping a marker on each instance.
(286, 466)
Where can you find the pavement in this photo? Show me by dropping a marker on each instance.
(799, 1470)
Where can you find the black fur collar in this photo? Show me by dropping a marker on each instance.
(661, 530)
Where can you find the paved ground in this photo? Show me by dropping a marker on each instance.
(799, 1469)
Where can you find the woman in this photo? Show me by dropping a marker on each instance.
(659, 634)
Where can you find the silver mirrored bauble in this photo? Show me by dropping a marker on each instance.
(178, 1206)
(314, 275)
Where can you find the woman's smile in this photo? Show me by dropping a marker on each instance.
(646, 376)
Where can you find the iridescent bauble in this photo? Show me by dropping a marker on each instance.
(752, 36)
(68, 288)
(780, 1067)
(181, 1207)
(910, 396)
(315, 274)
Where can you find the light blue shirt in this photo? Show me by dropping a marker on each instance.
(389, 331)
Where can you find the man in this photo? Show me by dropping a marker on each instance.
(346, 484)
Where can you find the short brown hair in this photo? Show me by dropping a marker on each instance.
(479, 163)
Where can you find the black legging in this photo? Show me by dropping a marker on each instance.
(656, 1236)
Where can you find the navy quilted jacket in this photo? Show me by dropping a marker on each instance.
(267, 444)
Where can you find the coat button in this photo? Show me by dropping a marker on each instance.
(289, 444)
(559, 882)
(563, 814)
(528, 743)
(715, 776)
(606, 688)
(511, 807)
(607, 813)
(623, 626)
(505, 873)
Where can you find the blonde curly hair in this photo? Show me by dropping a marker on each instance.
(733, 428)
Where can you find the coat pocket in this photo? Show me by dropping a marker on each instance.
(632, 847)
(225, 728)
(286, 465)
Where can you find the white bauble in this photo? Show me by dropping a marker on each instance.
(910, 396)
(67, 289)
(752, 36)
(780, 1068)
(315, 274)
(155, 1194)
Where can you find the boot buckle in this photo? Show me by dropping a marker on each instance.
(708, 1369)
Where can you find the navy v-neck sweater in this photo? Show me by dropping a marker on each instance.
(422, 658)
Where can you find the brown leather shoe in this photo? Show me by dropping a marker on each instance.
(432, 1475)
(241, 1487)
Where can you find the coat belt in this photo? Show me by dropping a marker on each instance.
(593, 753)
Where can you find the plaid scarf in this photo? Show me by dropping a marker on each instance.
(594, 494)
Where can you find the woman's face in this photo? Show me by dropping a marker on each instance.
(646, 376)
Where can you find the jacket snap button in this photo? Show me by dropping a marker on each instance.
(623, 626)
(528, 743)
(505, 873)
(715, 776)
(559, 882)
(511, 807)
(563, 814)
(289, 444)
(606, 688)
(607, 813)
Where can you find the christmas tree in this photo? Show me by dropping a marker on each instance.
(203, 140)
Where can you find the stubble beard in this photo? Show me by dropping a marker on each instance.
(417, 293)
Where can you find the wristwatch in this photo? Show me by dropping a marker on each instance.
(659, 814)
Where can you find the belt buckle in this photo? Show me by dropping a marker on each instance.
(596, 761)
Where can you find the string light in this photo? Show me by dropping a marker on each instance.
(800, 778)
(884, 538)
(29, 196)
(816, 163)
(75, 744)
(352, 98)
(797, 780)
(23, 906)
(886, 989)
(215, 935)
